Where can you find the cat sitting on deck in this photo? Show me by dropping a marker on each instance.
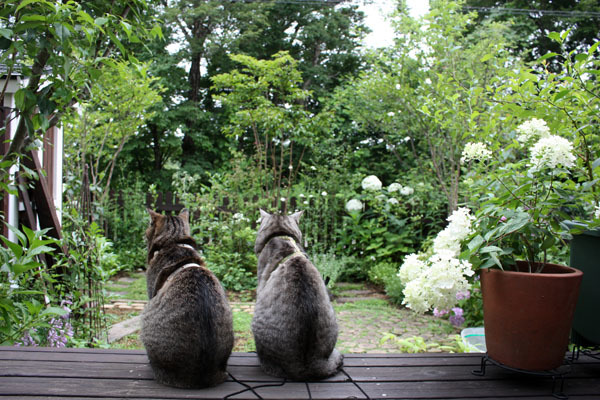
(187, 325)
(294, 324)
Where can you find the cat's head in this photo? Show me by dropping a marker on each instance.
(165, 228)
(272, 225)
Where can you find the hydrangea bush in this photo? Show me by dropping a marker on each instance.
(524, 196)
(385, 222)
(436, 281)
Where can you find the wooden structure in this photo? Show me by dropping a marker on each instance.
(110, 374)
(39, 205)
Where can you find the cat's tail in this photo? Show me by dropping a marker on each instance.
(322, 368)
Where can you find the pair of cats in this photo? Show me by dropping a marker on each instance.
(187, 325)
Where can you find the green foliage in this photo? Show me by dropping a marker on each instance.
(416, 344)
(331, 266)
(76, 42)
(127, 220)
(392, 222)
(25, 308)
(267, 107)
(523, 201)
(98, 130)
(386, 274)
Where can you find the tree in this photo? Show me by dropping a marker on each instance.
(532, 21)
(266, 105)
(61, 48)
(102, 125)
(323, 37)
(432, 91)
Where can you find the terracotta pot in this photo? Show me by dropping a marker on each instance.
(528, 316)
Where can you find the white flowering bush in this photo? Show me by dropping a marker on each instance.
(354, 205)
(552, 152)
(475, 151)
(436, 282)
(532, 129)
(384, 223)
(371, 182)
(523, 203)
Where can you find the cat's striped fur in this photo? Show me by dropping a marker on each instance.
(187, 326)
(294, 324)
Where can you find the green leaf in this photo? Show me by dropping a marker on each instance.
(14, 247)
(20, 268)
(546, 56)
(101, 21)
(486, 57)
(476, 242)
(490, 249)
(54, 311)
(593, 48)
(6, 33)
(555, 36)
(25, 3)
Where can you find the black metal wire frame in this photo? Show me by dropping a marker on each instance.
(557, 375)
(590, 351)
(283, 382)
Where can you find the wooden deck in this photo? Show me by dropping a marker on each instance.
(43, 373)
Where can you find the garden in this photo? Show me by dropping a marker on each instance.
(470, 144)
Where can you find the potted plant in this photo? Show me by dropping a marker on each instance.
(529, 295)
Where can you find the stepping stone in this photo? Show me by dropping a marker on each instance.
(125, 328)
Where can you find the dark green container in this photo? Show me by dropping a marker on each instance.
(585, 256)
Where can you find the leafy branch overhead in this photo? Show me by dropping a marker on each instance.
(61, 48)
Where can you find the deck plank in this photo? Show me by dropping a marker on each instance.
(41, 373)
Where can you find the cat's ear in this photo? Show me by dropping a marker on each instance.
(264, 214)
(185, 215)
(297, 216)
(153, 214)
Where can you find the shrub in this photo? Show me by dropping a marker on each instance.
(386, 275)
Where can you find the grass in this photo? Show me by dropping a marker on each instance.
(135, 290)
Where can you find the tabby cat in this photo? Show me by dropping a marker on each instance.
(294, 324)
(187, 326)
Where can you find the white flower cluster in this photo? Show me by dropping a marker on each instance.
(354, 205)
(371, 182)
(459, 227)
(532, 129)
(475, 151)
(404, 190)
(239, 217)
(552, 151)
(435, 282)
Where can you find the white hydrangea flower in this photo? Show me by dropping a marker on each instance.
(459, 227)
(393, 201)
(394, 187)
(597, 212)
(435, 283)
(391, 114)
(475, 151)
(371, 182)
(407, 191)
(323, 193)
(239, 217)
(354, 205)
(551, 152)
(533, 129)
(411, 268)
